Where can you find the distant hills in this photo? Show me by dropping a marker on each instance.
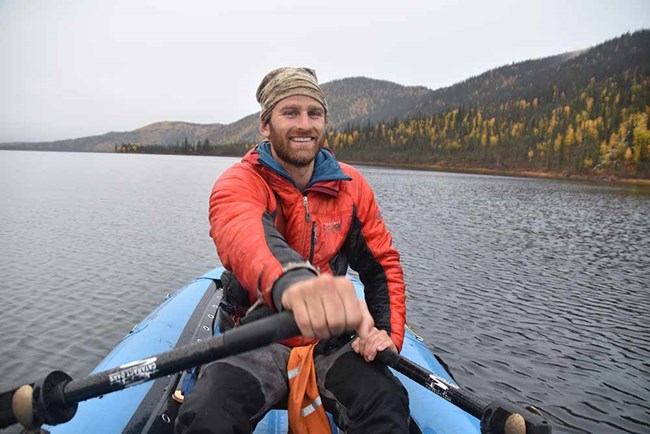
(351, 100)
(582, 111)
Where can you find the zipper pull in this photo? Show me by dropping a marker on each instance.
(304, 202)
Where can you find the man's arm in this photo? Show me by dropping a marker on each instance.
(242, 225)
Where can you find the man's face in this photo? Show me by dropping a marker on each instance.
(296, 130)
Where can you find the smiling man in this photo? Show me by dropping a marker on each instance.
(287, 222)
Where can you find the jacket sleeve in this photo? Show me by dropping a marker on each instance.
(372, 254)
(242, 225)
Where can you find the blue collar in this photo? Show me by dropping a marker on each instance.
(326, 167)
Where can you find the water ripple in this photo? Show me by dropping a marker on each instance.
(530, 290)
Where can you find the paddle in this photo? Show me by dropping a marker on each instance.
(54, 399)
(496, 417)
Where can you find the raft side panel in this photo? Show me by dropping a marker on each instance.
(157, 333)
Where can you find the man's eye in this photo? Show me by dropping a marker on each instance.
(290, 113)
(316, 114)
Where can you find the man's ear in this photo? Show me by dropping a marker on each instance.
(264, 129)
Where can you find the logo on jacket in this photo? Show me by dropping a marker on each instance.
(334, 226)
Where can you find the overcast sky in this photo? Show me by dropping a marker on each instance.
(74, 68)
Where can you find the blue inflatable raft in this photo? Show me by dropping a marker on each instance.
(189, 315)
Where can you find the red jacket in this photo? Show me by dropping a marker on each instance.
(267, 232)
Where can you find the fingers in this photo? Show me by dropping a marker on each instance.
(351, 304)
(324, 306)
(356, 345)
(336, 313)
(302, 316)
(375, 341)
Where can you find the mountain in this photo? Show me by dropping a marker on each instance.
(586, 112)
(525, 80)
(552, 112)
(351, 100)
(159, 132)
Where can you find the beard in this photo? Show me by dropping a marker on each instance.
(287, 151)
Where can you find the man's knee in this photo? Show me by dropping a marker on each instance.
(369, 394)
(224, 399)
(351, 372)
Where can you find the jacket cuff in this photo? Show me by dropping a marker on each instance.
(289, 278)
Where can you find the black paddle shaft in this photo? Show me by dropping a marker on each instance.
(441, 387)
(493, 415)
(56, 397)
(247, 337)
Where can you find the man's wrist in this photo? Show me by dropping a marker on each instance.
(293, 272)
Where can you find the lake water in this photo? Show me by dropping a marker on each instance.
(532, 290)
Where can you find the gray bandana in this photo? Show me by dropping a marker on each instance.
(285, 82)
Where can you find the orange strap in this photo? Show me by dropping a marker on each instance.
(306, 413)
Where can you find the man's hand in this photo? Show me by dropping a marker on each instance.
(327, 306)
(371, 340)
(376, 340)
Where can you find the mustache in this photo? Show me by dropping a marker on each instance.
(302, 132)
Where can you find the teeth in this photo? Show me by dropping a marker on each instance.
(301, 139)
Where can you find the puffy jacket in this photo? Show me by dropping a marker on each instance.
(268, 232)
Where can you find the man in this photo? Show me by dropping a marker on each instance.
(287, 221)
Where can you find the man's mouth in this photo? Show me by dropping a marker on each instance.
(301, 139)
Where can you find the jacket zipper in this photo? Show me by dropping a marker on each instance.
(307, 215)
(313, 242)
(313, 229)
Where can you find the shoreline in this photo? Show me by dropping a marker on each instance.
(518, 173)
(599, 179)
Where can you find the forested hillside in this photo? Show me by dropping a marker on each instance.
(576, 113)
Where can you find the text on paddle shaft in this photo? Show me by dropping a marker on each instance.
(134, 372)
(440, 386)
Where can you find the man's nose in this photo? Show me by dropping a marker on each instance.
(303, 121)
